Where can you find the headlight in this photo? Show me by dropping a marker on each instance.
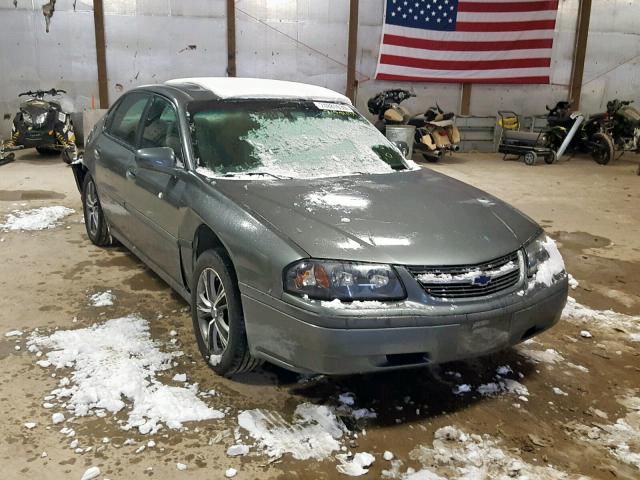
(328, 280)
(40, 119)
(27, 118)
(544, 260)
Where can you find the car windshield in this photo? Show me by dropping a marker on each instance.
(288, 139)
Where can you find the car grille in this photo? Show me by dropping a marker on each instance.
(468, 281)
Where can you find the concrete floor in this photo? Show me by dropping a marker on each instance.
(46, 278)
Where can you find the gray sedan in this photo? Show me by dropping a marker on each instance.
(301, 236)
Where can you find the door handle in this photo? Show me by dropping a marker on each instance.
(131, 173)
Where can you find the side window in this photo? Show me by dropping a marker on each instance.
(162, 128)
(126, 117)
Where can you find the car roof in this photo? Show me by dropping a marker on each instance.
(256, 88)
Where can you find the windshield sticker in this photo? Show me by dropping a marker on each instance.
(336, 107)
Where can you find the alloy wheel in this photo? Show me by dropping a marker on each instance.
(93, 208)
(212, 311)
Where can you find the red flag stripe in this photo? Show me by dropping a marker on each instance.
(505, 26)
(463, 65)
(425, 44)
(497, 80)
(507, 7)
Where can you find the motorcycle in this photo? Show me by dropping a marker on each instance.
(386, 106)
(43, 125)
(436, 132)
(624, 125)
(569, 131)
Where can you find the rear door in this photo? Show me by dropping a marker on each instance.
(156, 199)
(115, 160)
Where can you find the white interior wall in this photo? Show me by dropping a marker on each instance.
(305, 40)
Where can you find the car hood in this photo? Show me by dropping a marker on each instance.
(415, 217)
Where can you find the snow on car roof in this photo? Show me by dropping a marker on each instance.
(233, 87)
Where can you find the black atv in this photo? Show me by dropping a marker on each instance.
(570, 131)
(43, 125)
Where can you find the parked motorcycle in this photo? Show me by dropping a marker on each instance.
(435, 132)
(624, 125)
(43, 125)
(386, 106)
(568, 131)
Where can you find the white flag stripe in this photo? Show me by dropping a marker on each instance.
(498, 17)
(464, 74)
(466, 36)
(465, 56)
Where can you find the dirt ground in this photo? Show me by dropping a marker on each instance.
(47, 276)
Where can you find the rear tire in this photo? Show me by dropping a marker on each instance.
(216, 312)
(603, 151)
(94, 219)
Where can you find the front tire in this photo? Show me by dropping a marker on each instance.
(94, 219)
(603, 150)
(216, 312)
(530, 158)
(47, 151)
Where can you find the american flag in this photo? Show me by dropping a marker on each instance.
(467, 41)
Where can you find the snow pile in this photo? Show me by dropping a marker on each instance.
(356, 466)
(36, 219)
(314, 432)
(458, 455)
(103, 299)
(549, 270)
(573, 283)
(583, 315)
(91, 473)
(114, 364)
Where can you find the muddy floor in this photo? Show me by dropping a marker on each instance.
(47, 277)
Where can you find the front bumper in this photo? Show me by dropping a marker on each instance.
(338, 342)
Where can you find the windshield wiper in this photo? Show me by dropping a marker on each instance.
(237, 174)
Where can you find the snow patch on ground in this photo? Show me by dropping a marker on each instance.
(102, 299)
(549, 355)
(621, 438)
(356, 466)
(585, 316)
(314, 432)
(458, 455)
(114, 365)
(36, 219)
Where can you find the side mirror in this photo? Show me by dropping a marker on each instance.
(157, 159)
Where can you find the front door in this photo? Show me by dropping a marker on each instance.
(156, 198)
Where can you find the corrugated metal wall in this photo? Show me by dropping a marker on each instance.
(305, 40)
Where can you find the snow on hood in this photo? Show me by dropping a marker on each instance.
(410, 217)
